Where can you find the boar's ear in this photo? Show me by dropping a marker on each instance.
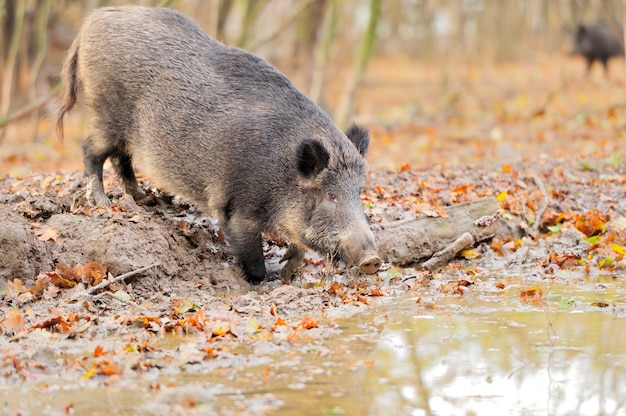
(312, 158)
(360, 137)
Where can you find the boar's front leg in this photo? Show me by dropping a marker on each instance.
(294, 257)
(247, 245)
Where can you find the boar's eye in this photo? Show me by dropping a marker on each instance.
(331, 196)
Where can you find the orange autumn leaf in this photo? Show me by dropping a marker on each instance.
(506, 168)
(375, 292)
(592, 223)
(532, 295)
(441, 211)
(280, 322)
(405, 167)
(308, 323)
(221, 329)
(14, 321)
(98, 351)
(196, 320)
(42, 282)
(94, 272)
(381, 192)
(460, 189)
(60, 281)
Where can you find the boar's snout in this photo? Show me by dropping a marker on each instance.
(370, 263)
(360, 249)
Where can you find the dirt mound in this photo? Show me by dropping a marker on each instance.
(46, 222)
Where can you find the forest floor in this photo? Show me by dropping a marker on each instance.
(552, 157)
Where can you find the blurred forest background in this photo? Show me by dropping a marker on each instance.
(462, 80)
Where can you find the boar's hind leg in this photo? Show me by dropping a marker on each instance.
(124, 167)
(248, 248)
(94, 156)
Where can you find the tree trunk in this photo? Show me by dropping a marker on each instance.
(346, 106)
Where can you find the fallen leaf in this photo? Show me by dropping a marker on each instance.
(606, 263)
(14, 321)
(98, 351)
(618, 249)
(308, 323)
(532, 295)
(470, 253)
(47, 234)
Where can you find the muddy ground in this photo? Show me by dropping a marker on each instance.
(54, 247)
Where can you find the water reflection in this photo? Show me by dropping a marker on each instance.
(536, 362)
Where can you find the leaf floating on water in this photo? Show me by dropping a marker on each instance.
(337, 410)
(532, 295)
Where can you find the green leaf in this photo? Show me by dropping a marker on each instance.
(616, 160)
(122, 295)
(337, 410)
(586, 166)
(606, 262)
(554, 229)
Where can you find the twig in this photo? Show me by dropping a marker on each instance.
(444, 256)
(542, 208)
(29, 108)
(116, 279)
(112, 295)
(279, 27)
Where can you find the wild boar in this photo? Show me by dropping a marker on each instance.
(221, 127)
(598, 42)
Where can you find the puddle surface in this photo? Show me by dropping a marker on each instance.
(485, 352)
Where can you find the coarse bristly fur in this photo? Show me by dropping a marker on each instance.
(221, 127)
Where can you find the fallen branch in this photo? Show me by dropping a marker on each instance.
(410, 241)
(116, 279)
(441, 258)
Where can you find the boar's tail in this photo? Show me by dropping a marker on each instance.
(69, 78)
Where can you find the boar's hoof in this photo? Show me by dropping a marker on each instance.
(370, 264)
(148, 201)
(95, 192)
